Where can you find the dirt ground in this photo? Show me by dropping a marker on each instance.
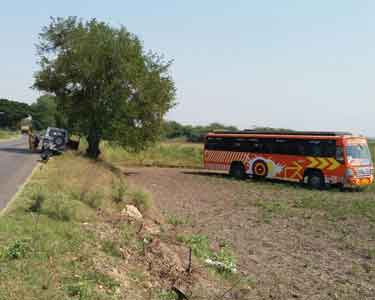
(292, 253)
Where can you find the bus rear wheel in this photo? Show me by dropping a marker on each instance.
(237, 171)
(315, 180)
(259, 169)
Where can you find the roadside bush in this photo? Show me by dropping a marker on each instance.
(18, 249)
(119, 191)
(37, 200)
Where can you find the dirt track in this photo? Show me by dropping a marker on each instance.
(290, 257)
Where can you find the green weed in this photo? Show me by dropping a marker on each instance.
(175, 220)
(18, 249)
(141, 199)
(112, 248)
(119, 191)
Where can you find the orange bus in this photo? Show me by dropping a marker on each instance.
(315, 158)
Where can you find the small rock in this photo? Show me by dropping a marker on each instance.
(132, 212)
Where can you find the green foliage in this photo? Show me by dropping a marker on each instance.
(175, 220)
(12, 113)
(166, 295)
(119, 191)
(199, 244)
(222, 261)
(92, 198)
(79, 290)
(112, 248)
(59, 208)
(18, 249)
(107, 86)
(141, 199)
(44, 112)
(194, 134)
(37, 199)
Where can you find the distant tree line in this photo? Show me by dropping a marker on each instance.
(12, 112)
(43, 113)
(194, 134)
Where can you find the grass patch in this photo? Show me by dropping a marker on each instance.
(54, 256)
(112, 248)
(7, 134)
(176, 220)
(185, 155)
(223, 260)
(140, 199)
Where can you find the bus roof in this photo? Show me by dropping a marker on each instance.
(326, 135)
(286, 132)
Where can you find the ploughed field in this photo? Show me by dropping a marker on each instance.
(295, 243)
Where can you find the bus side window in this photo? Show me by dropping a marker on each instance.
(313, 148)
(339, 154)
(330, 149)
(301, 149)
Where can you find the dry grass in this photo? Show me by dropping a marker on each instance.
(185, 155)
(6, 134)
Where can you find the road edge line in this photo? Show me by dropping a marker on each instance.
(20, 189)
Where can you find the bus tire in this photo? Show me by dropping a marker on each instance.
(259, 169)
(237, 170)
(315, 180)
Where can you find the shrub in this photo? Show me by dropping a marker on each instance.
(18, 249)
(119, 190)
(37, 200)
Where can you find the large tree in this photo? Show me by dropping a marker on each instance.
(105, 84)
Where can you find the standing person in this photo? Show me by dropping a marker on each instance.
(31, 140)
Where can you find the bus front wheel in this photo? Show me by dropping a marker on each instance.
(315, 180)
(237, 171)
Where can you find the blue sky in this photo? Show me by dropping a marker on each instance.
(294, 64)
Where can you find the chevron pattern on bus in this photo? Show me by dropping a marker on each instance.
(323, 163)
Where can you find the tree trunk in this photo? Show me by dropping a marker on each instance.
(93, 139)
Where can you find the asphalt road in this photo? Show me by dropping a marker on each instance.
(16, 164)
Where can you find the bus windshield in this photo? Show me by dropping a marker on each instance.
(360, 151)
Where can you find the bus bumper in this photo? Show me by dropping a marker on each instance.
(359, 182)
